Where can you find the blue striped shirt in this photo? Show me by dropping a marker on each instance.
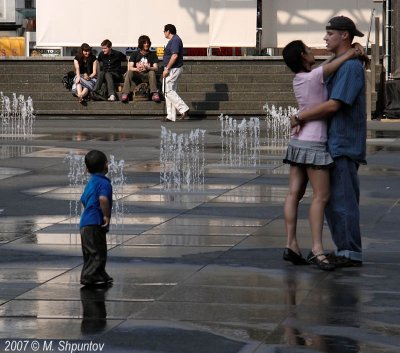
(347, 129)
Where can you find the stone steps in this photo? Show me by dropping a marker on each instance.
(210, 87)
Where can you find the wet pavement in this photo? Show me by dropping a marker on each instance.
(193, 272)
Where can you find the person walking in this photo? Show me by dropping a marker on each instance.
(347, 129)
(173, 67)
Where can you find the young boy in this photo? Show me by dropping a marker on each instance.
(95, 220)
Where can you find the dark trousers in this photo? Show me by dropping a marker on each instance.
(342, 211)
(111, 79)
(94, 250)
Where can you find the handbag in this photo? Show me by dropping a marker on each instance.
(68, 80)
(141, 92)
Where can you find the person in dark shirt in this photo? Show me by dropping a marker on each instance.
(142, 67)
(85, 64)
(173, 67)
(110, 70)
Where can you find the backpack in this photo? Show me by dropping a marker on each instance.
(68, 80)
(100, 94)
(141, 92)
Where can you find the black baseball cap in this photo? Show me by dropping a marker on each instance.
(343, 23)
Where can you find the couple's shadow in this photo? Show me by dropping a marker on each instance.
(94, 314)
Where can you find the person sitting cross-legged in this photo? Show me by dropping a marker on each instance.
(142, 67)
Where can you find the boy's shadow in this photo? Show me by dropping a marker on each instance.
(94, 309)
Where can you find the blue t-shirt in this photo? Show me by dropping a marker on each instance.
(98, 185)
(174, 46)
(347, 129)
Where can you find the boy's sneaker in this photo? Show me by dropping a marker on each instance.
(125, 98)
(111, 98)
(155, 97)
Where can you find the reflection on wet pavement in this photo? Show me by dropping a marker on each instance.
(194, 272)
(10, 151)
(185, 240)
(83, 136)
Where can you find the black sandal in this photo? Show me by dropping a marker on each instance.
(321, 264)
(293, 257)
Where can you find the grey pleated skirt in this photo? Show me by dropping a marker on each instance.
(308, 154)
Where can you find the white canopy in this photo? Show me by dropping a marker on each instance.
(200, 23)
(287, 20)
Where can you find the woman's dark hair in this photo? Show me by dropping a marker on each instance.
(171, 28)
(143, 39)
(95, 161)
(292, 54)
(84, 47)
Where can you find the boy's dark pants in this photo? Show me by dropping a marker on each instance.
(94, 249)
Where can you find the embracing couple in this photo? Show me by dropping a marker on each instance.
(327, 145)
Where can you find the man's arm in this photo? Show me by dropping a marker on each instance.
(170, 64)
(123, 56)
(154, 67)
(323, 110)
(131, 66)
(132, 62)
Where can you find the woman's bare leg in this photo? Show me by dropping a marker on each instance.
(79, 90)
(297, 187)
(84, 93)
(319, 180)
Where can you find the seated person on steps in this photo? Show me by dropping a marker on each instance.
(142, 67)
(110, 70)
(85, 64)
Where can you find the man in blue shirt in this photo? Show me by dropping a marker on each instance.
(346, 142)
(173, 67)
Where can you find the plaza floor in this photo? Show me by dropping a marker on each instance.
(194, 271)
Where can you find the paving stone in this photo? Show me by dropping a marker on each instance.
(195, 271)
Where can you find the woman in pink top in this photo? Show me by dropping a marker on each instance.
(307, 152)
